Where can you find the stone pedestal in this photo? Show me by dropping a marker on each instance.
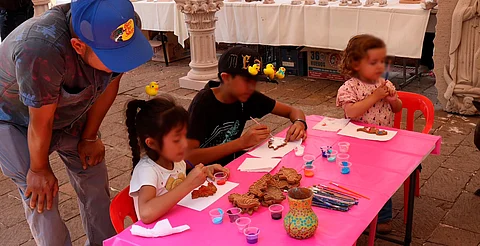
(200, 19)
(457, 56)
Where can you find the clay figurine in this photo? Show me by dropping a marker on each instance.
(356, 3)
(276, 143)
(381, 3)
(323, 2)
(309, 2)
(353, 3)
(268, 1)
(296, 2)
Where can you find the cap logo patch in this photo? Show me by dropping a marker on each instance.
(124, 32)
(246, 60)
(232, 61)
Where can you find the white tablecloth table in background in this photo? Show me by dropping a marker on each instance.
(401, 26)
(162, 16)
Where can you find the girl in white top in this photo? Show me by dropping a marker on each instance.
(159, 179)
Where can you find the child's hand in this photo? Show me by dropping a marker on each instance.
(296, 132)
(392, 93)
(197, 176)
(255, 135)
(381, 92)
(215, 168)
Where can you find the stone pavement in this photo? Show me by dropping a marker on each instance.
(445, 214)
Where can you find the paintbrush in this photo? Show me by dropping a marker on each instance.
(345, 193)
(258, 123)
(351, 191)
(388, 69)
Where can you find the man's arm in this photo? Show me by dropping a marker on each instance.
(298, 129)
(90, 148)
(41, 182)
(100, 108)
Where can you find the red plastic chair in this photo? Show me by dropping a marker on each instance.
(120, 208)
(414, 102)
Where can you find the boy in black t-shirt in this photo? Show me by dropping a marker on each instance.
(219, 112)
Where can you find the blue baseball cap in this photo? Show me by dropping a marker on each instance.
(108, 27)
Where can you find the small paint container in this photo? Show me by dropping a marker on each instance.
(299, 150)
(251, 234)
(343, 147)
(220, 178)
(242, 223)
(332, 156)
(216, 215)
(233, 214)
(309, 171)
(325, 150)
(308, 160)
(276, 211)
(345, 167)
(342, 157)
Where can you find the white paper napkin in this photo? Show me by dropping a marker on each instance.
(162, 228)
(331, 124)
(258, 164)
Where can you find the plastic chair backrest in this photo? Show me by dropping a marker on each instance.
(120, 208)
(413, 102)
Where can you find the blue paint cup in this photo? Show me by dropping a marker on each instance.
(332, 156)
(216, 215)
(345, 167)
(308, 160)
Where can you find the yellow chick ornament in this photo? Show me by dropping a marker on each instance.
(253, 70)
(281, 73)
(269, 71)
(152, 89)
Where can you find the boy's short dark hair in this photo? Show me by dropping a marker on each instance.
(236, 61)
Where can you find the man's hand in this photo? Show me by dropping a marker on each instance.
(42, 186)
(91, 153)
(296, 132)
(255, 135)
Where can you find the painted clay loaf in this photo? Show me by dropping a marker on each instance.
(272, 195)
(246, 202)
(204, 191)
(267, 190)
(276, 143)
(372, 130)
(259, 186)
(290, 175)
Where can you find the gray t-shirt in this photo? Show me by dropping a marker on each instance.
(38, 66)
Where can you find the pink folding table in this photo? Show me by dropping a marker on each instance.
(378, 170)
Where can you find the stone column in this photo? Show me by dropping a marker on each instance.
(200, 19)
(40, 6)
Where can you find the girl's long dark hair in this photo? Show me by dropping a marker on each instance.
(153, 118)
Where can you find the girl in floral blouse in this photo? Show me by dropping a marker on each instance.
(367, 97)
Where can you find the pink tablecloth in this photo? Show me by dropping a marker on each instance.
(378, 170)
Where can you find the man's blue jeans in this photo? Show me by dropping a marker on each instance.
(385, 213)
